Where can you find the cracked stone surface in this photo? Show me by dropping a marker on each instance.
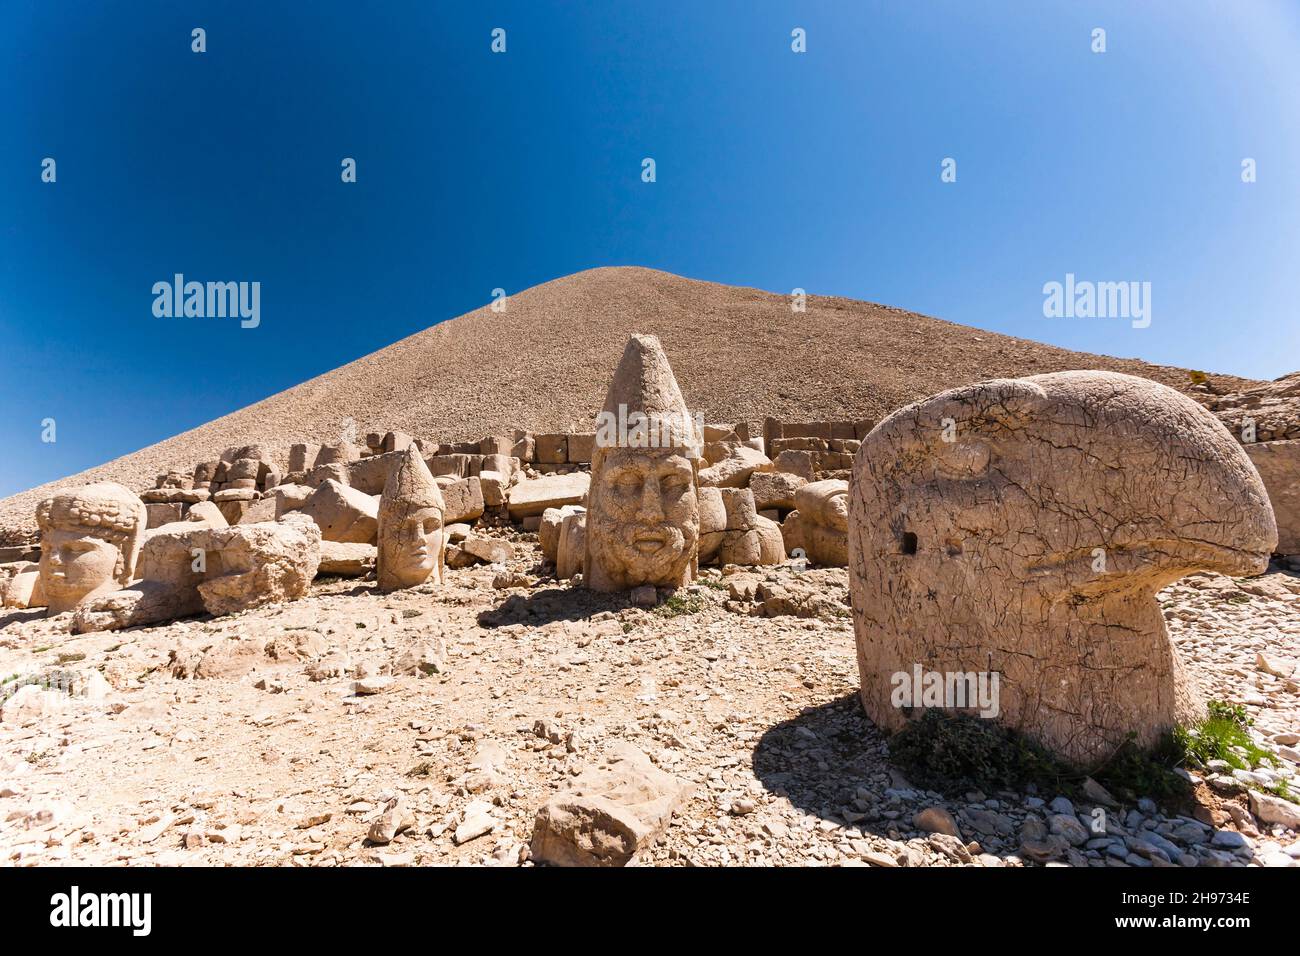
(1024, 526)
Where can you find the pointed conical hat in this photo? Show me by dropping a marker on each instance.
(644, 382)
(410, 485)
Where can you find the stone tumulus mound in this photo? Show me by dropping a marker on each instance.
(412, 542)
(1022, 527)
(643, 520)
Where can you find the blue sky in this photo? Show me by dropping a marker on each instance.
(477, 170)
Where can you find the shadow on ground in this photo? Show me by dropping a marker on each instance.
(552, 604)
(819, 759)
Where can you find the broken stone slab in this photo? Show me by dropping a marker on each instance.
(462, 498)
(351, 560)
(534, 495)
(614, 811)
(491, 550)
(256, 564)
(571, 550)
(735, 470)
(548, 530)
(775, 489)
(343, 513)
(1278, 464)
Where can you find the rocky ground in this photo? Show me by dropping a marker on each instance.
(279, 736)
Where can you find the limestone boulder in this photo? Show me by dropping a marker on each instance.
(342, 513)
(735, 470)
(775, 489)
(611, 815)
(1278, 464)
(256, 564)
(463, 498)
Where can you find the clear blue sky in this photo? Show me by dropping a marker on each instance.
(478, 170)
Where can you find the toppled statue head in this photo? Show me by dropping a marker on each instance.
(412, 542)
(643, 520)
(1022, 528)
(90, 539)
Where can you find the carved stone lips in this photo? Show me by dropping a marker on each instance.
(649, 541)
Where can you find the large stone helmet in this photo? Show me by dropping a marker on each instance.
(412, 542)
(1023, 527)
(90, 539)
(643, 523)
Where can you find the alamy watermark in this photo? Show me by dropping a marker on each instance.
(1074, 299)
(947, 690)
(638, 430)
(211, 300)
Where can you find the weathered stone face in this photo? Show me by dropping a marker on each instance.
(819, 525)
(90, 539)
(412, 542)
(644, 515)
(1022, 527)
(643, 524)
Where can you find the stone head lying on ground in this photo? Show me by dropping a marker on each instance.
(90, 538)
(643, 521)
(412, 542)
(1023, 526)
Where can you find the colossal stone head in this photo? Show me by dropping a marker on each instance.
(1023, 527)
(643, 520)
(90, 539)
(412, 543)
(820, 522)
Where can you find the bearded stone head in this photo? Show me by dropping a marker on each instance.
(643, 516)
(1024, 526)
(90, 539)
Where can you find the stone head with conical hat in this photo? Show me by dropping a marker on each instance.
(412, 542)
(643, 517)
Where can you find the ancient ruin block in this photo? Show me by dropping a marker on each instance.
(396, 441)
(735, 470)
(160, 514)
(524, 446)
(552, 449)
(496, 445)
(534, 495)
(90, 539)
(1023, 527)
(571, 547)
(412, 543)
(795, 463)
(343, 514)
(643, 521)
(302, 456)
(775, 489)
(580, 446)
(713, 523)
(1278, 463)
(463, 498)
(455, 465)
(337, 454)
